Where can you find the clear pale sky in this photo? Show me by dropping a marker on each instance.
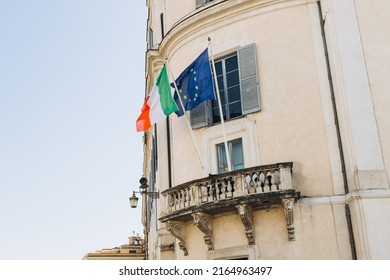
(71, 87)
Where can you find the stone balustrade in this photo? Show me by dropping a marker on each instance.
(242, 191)
(243, 182)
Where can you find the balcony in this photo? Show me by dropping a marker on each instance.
(242, 191)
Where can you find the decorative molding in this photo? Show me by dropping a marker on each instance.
(246, 216)
(177, 229)
(288, 205)
(204, 223)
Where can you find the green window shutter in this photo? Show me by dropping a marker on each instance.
(249, 84)
(199, 115)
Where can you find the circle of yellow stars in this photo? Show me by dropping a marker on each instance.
(195, 97)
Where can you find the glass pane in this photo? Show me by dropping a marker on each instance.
(214, 104)
(220, 82)
(235, 109)
(234, 94)
(237, 155)
(232, 79)
(222, 162)
(222, 96)
(218, 67)
(231, 64)
(217, 115)
(215, 101)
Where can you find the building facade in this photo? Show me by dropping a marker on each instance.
(303, 88)
(134, 250)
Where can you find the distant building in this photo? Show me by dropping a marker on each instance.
(132, 251)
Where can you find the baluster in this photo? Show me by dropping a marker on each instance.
(177, 200)
(225, 188)
(219, 190)
(175, 197)
(253, 183)
(248, 180)
(262, 181)
(232, 190)
(189, 196)
(255, 179)
(180, 198)
(171, 201)
(184, 198)
(214, 190)
(277, 179)
(229, 186)
(269, 180)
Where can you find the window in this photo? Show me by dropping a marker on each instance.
(249, 252)
(200, 3)
(229, 90)
(238, 88)
(150, 38)
(152, 178)
(236, 156)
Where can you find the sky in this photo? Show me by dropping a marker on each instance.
(72, 77)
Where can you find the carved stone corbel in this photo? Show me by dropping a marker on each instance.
(204, 223)
(288, 205)
(246, 216)
(177, 229)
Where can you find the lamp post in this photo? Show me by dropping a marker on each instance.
(133, 204)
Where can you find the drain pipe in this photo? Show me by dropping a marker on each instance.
(169, 154)
(339, 141)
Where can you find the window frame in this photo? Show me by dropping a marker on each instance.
(220, 149)
(201, 116)
(227, 101)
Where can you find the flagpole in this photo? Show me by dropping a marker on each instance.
(186, 116)
(220, 107)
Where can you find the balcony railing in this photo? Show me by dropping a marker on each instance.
(241, 183)
(243, 190)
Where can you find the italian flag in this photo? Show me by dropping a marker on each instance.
(158, 105)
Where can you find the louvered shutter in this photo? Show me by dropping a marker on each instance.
(152, 181)
(199, 115)
(199, 3)
(249, 83)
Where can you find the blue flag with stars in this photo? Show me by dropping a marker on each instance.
(195, 84)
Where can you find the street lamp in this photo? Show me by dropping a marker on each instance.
(133, 204)
(143, 189)
(133, 200)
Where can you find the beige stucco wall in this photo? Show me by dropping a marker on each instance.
(320, 230)
(290, 125)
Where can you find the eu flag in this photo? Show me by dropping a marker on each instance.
(195, 84)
